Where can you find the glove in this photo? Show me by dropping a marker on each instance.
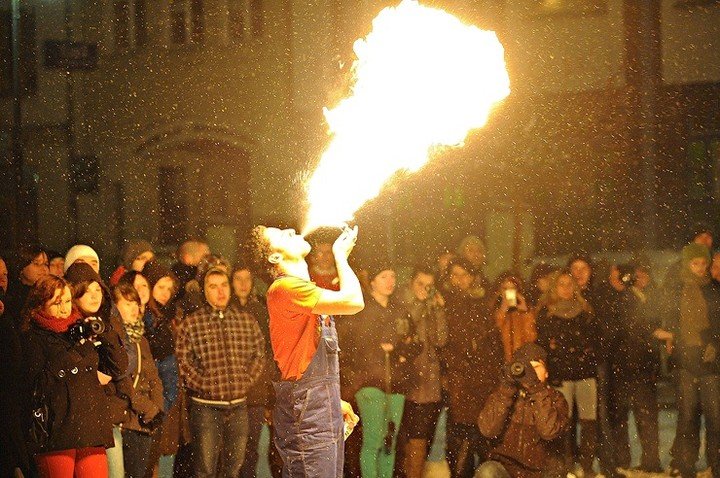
(154, 422)
(710, 354)
(529, 379)
(507, 376)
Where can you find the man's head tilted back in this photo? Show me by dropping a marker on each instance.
(271, 247)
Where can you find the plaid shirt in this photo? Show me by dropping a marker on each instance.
(220, 353)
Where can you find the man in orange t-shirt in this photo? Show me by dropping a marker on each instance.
(309, 417)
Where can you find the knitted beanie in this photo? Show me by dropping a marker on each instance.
(78, 251)
(375, 268)
(530, 352)
(81, 272)
(693, 251)
(154, 271)
(133, 249)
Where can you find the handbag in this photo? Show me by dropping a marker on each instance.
(40, 415)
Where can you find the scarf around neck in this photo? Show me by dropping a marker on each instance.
(566, 309)
(55, 324)
(135, 331)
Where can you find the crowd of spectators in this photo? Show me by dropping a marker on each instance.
(166, 371)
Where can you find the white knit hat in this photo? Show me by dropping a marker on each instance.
(76, 252)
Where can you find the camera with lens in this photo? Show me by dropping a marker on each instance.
(86, 328)
(517, 370)
(626, 274)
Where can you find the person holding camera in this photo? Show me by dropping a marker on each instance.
(68, 421)
(521, 416)
(633, 352)
(92, 300)
(512, 315)
(422, 387)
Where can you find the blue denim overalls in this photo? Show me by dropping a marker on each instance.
(307, 417)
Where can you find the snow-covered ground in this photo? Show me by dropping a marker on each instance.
(437, 467)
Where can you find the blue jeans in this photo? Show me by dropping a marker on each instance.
(256, 419)
(219, 438)
(116, 468)
(136, 453)
(168, 371)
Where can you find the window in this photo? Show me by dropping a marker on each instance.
(141, 33)
(256, 17)
(121, 11)
(178, 22)
(246, 19)
(28, 53)
(198, 24)
(129, 24)
(187, 21)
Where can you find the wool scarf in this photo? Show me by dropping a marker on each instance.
(55, 324)
(566, 309)
(135, 330)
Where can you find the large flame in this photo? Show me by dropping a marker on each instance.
(422, 79)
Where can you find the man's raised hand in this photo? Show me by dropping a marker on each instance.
(344, 244)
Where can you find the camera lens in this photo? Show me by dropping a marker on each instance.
(517, 369)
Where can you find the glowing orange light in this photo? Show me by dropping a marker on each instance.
(422, 80)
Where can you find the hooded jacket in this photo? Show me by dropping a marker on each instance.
(220, 353)
(520, 424)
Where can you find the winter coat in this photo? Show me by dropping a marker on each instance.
(517, 329)
(79, 409)
(363, 361)
(626, 326)
(12, 442)
(114, 362)
(431, 329)
(520, 423)
(698, 360)
(473, 357)
(571, 345)
(147, 397)
(159, 331)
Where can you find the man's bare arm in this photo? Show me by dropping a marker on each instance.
(349, 299)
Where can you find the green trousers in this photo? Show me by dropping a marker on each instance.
(380, 415)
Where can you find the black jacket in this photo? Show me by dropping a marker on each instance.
(572, 345)
(472, 357)
(79, 408)
(626, 328)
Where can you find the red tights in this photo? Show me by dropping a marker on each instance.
(75, 463)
